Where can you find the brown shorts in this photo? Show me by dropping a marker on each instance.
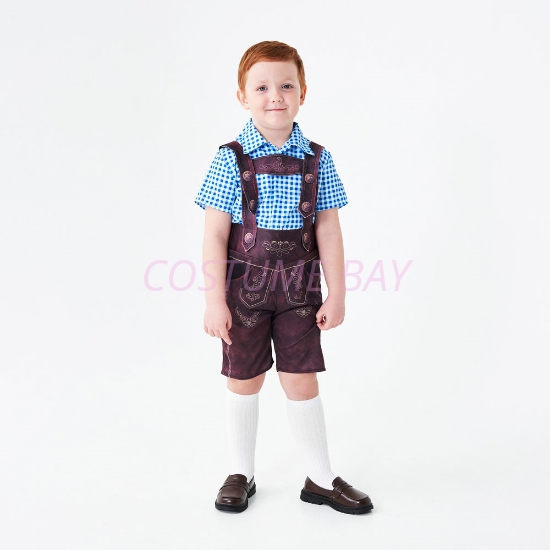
(273, 294)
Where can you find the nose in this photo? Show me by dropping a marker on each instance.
(276, 95)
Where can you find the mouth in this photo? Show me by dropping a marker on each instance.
(276, 110)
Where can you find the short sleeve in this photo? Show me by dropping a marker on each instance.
(331, 192)
(219, 188)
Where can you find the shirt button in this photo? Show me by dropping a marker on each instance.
(247, 176)
(310, 178)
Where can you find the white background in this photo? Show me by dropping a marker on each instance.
(435, 395)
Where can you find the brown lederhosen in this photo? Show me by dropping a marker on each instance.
(273, 278)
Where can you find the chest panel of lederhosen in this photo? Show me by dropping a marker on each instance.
(280, 165)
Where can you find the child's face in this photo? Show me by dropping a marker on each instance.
(272, 94)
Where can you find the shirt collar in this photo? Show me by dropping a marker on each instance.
(251, 139)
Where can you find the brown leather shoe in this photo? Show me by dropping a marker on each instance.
(343, 497)
(233, 494)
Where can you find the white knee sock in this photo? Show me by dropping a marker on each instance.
(241, 412)
(307, 423)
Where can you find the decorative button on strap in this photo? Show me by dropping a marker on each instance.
(248, 238)
(247, 175)
(310, 178)
(306, 206)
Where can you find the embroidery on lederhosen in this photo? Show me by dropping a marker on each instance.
(228, 359)
(248, 321)
(257, 281)
(255, 291)
(294, 284)
(279, 166)
(296, 275)
(303, 311)
(279, 247)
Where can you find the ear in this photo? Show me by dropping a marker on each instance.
(303, 95)
(242, 100)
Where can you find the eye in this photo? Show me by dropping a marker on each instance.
(261, 88)
(288, 86)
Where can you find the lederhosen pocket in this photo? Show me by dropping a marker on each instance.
(254, 283)
(313, 271)
(300, 279)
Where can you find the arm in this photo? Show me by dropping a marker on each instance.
(217, 317)
(331, 254)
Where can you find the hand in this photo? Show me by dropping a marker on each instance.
(331, 313)
(218, 321)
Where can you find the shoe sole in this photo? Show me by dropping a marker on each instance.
(233, 508)
(318, 499)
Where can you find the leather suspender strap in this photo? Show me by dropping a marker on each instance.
(249, 189)
(308, 197)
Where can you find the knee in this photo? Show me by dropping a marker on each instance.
(299, 387)
(246, 387)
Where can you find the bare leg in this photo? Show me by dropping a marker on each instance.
(246, 387)
(299, 386)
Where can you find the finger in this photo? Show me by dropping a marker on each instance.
(225, 336)
(326, 325)
(227, 340)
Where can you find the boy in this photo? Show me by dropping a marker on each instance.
(261, 195)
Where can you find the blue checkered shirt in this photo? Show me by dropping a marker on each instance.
(278, 195)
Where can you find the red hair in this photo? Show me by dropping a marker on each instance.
(270, 50)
